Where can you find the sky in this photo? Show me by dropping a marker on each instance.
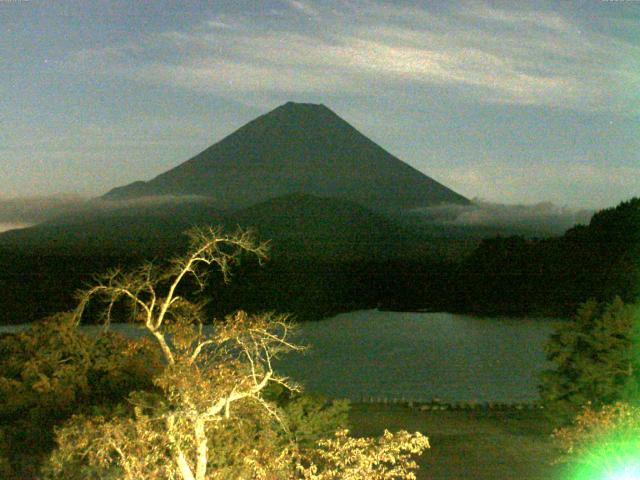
(514, 102)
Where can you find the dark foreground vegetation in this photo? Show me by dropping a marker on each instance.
(553, 276)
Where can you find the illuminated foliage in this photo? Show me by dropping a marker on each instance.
(211, 413)
(385, 458)
(309, 419)
(52, 370)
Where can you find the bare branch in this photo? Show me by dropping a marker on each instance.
(205, 373)
(198, 349)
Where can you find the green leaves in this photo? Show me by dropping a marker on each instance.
(54, 369)
(594, 355)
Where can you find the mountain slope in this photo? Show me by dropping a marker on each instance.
(311, 226)
(132, 228)
(296, 224)
(297, 148)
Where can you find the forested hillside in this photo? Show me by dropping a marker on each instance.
(552, 276)
(329, 256)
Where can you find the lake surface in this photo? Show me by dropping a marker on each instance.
(419, 356)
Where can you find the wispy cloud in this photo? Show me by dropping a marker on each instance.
(543, 217)
(304, 7)
(19, 212)
(538, 19)
(217, 24)
(499, 55)
(23, 211)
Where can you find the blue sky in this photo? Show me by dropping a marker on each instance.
(514, 102)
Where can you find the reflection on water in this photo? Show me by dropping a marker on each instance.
(417, 356)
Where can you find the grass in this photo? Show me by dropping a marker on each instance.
(478, 445)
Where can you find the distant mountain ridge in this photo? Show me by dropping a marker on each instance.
(317, 244)
(326, 227)
(296, 224)
(297, 148)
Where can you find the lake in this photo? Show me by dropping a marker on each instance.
(419, 356)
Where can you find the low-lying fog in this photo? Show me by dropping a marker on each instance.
(12, 226)
(541, 216)
(25, 211)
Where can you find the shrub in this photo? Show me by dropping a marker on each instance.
(53, 370)
(596, 361)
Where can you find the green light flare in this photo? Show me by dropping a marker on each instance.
(626, 473)
(611, 460)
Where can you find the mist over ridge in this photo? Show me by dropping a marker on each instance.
(22, 212)
(295, 149)
(544, 216)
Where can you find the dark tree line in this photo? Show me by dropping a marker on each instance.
(553, 276)
(503, 275)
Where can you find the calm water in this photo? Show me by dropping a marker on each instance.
(420, 356)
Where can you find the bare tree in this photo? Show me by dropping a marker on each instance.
(214, 379)
(207, 372)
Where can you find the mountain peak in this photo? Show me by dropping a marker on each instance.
(308, 106)
(301, 148)
(300, 112)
